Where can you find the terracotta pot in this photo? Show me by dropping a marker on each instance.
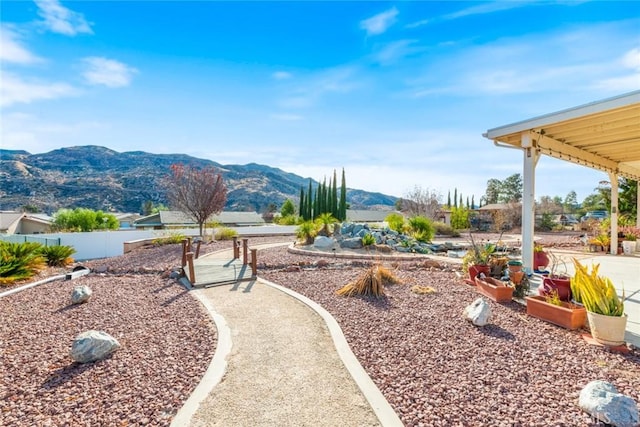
(474, 270)
(607, 330)
(516, 276)
(494, 289)
(567, 315)
(540, 260)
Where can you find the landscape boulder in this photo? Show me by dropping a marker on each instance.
(93, 345)
(81, 294)
(323, 242)
(352, 243)
(478, 312)
(601, 400)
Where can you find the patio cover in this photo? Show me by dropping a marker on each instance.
(603, 135)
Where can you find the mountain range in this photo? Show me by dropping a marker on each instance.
(100, 178)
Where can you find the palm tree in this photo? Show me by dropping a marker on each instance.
(326, 221)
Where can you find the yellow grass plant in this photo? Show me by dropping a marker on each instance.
(596, 292)
(370, 283)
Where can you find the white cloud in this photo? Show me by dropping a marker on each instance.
(286, 117)
(107, 72)
(394, 51)
(281, 75)
(309, 91)
(15, 90)
(631, 59)
(12, 50)
(59, 19)
(481, 9)
(379, 23)
(627, 82)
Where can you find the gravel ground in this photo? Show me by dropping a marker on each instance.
(436, 369)
(433, 367)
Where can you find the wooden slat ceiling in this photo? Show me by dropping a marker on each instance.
(604, 135)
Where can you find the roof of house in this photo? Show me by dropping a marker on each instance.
(178, 218)
(8, 218)
(356, 215)
(498, 206)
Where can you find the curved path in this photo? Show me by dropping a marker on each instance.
(281, 366)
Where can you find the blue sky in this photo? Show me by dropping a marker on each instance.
(397, 93)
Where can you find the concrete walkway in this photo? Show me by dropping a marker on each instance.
(277, 364)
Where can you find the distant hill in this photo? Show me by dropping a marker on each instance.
(99, 178)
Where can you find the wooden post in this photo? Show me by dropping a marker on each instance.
(198, 249)
(184, 252)
(236, 253)
(192, 270)
(245, 246)
(254, 262)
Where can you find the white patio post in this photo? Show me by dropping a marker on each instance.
(614, 213)
(528, 199)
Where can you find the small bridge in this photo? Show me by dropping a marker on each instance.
(219, 268)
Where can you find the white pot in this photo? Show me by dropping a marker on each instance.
(637, 245)
(607, 330)
(628, 247)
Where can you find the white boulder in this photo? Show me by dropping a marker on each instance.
(478, 312)
(81, 294)
(601, 400)
(93, 345)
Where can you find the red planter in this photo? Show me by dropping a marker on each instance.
(562, 285)
(474, 270)
(540, 260)
(567, 315)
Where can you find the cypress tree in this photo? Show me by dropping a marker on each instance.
(334, 196)
(460, 204)
(473, 203)
(455, 197)
(449, 199)
(343, 199)
(309, 203)
(467, 202)
(301, 205)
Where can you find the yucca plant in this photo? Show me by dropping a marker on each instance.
(368, 240)
(58, 256)
(596, 292)
(369, 283)
(19, 261)
(307, 231)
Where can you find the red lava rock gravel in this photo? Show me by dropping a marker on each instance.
(436, 369)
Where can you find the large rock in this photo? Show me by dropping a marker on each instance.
(352, 243)
(80, 294)
(323, 243)
(93, 345)
(602, 401)
(478, 312)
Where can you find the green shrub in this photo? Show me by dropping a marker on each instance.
(368, 240)
(307, 231)
(444, 230)
(287, 220)
(396, 222)
(460, 218)
(421, 228)
(225, 233)
(58, 256)
(19, 261)
(171, 239)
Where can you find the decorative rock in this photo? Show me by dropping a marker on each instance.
(81, 294)
(352, 243)
(93, 345)
(322, 242)
(356, 229)
(478, 312)
(347, 228)
(601, 400)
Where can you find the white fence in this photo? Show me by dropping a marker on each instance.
(105, 244)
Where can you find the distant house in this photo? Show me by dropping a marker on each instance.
(126, 220)
(24, 223)
(354, 215)
(176, 219)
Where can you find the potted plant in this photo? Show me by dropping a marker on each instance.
(495, 289)
(552, 309)
(605, 310)
(556, 281)
(630, 242)
(540, 258)
(476, 260)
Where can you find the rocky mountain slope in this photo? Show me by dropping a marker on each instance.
(99, 178)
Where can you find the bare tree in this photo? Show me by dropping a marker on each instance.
(197, 192)
(421, 201)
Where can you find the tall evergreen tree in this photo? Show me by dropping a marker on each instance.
(460, 204)
(310, 203)
(449, 199)
(334, 196)
(468, 206)
(301, 204)
(473, 202)
(343, 199)
(455, 197)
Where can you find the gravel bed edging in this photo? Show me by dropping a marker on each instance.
(31, 285)
(381, 407)
(375, 256)
(216, 370)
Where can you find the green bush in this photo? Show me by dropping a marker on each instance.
(171, 239)
(58, 256)
(445, 230)
(396, 222)
(368, 240)
(459, 218)
(81, 219)
(307, 231)
(19, 261)
(225, 233)
(421, 228)
(287, 220)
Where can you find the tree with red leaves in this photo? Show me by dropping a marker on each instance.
(197, 192)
